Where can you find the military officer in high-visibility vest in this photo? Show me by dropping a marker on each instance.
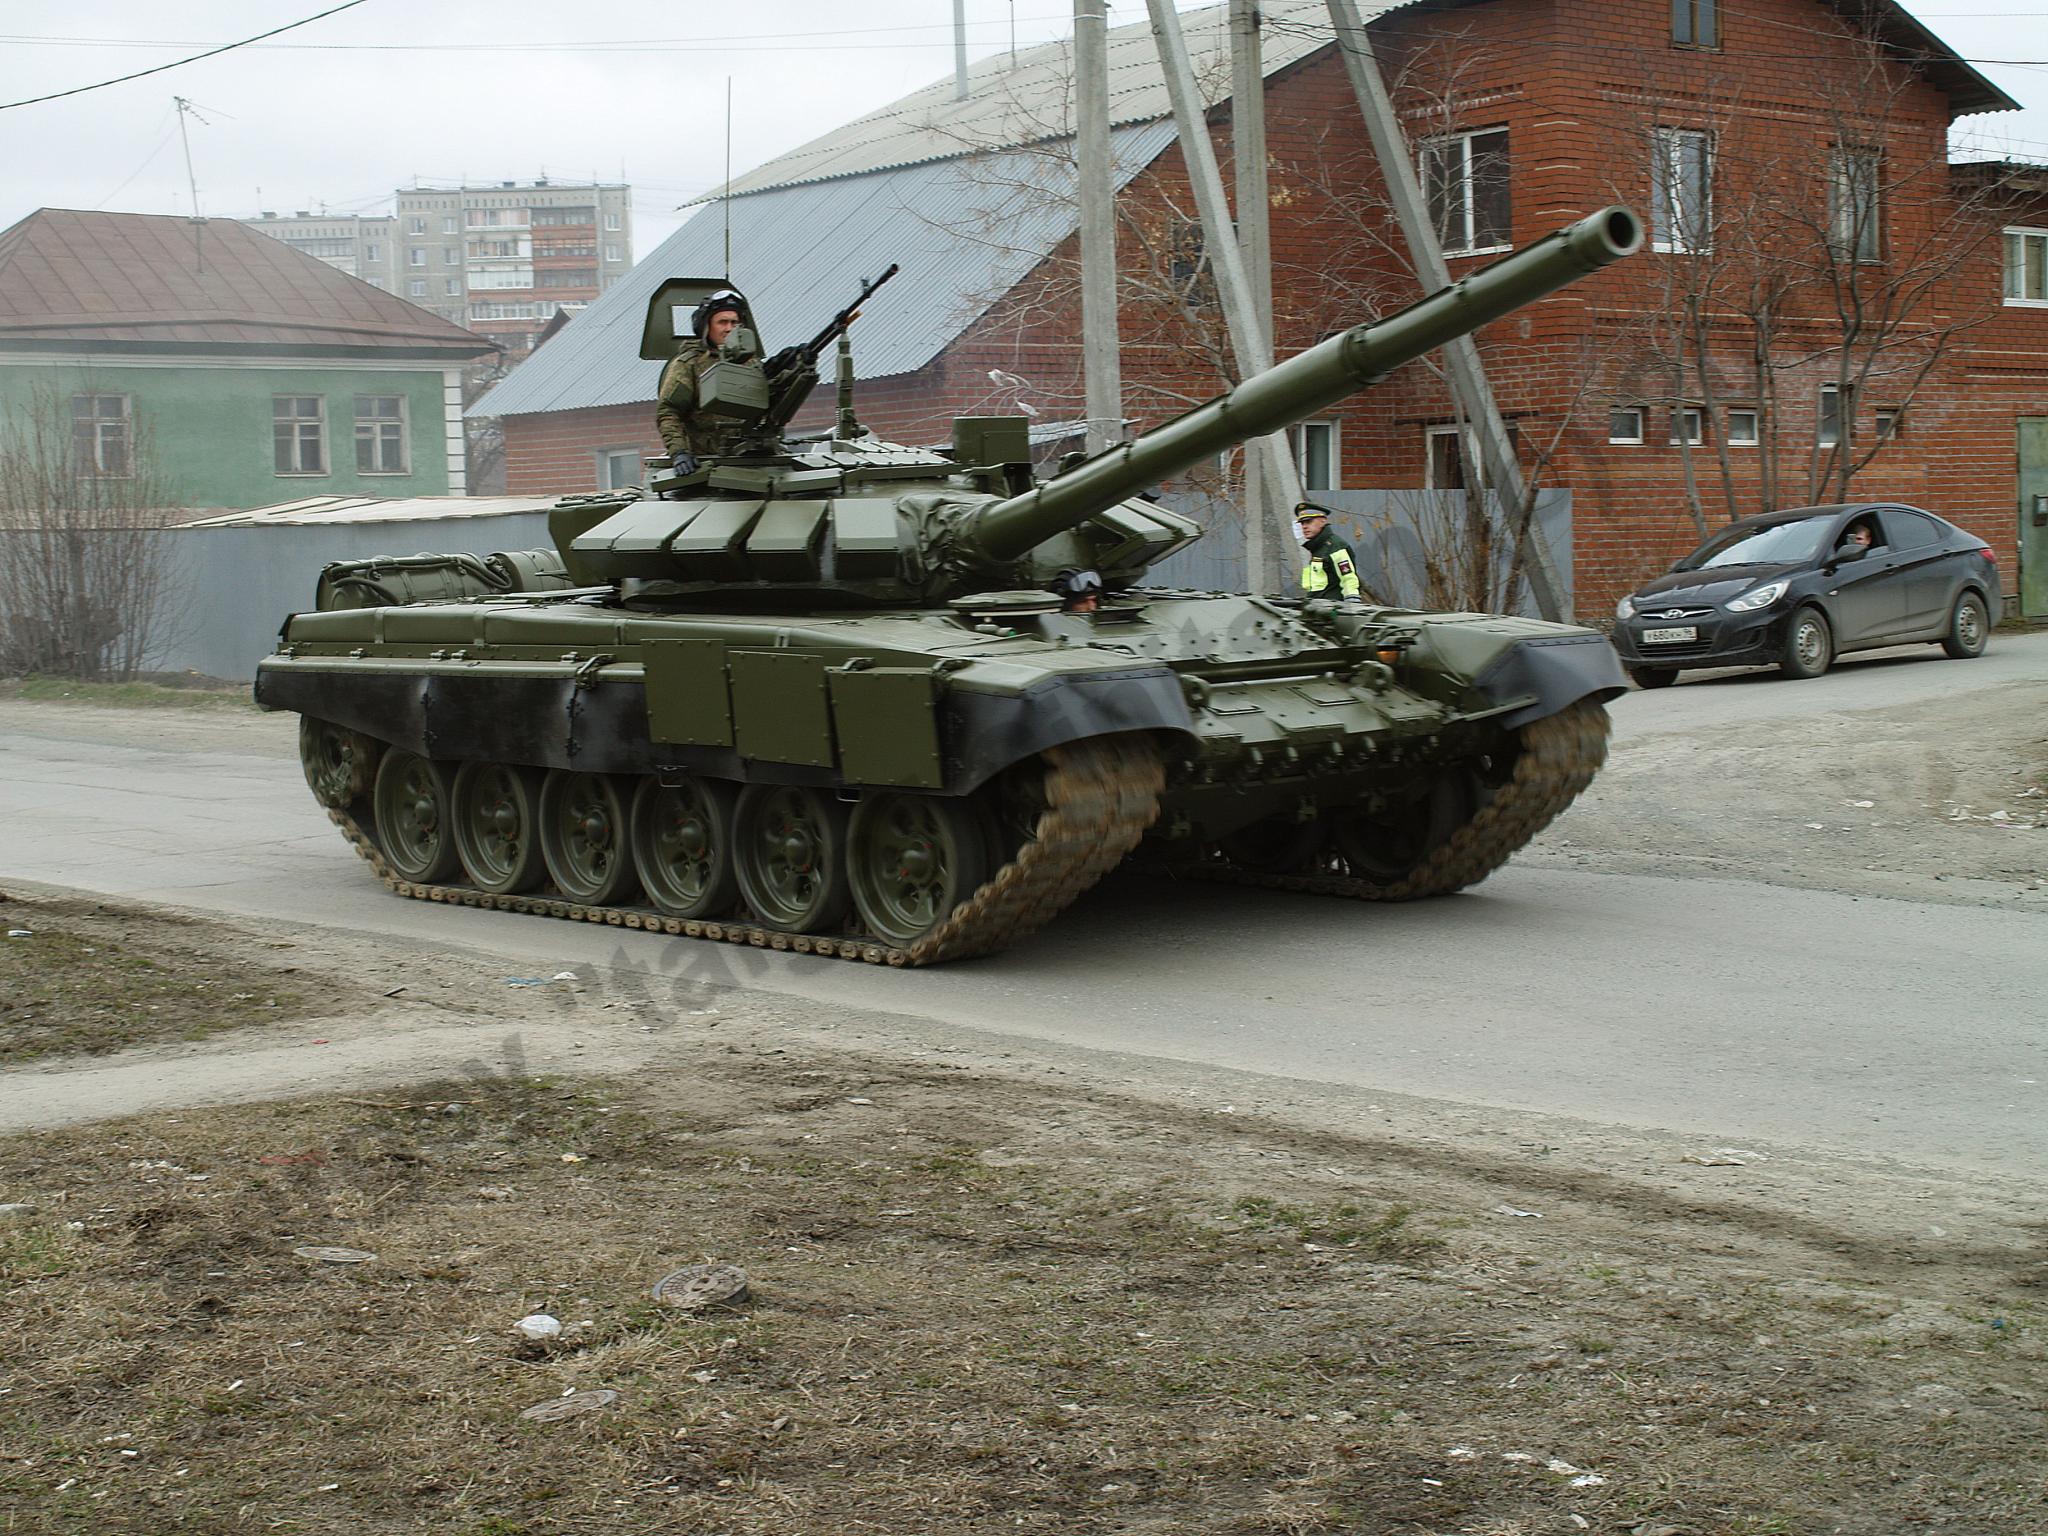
(1331, 571)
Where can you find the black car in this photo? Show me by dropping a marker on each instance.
(1795, 589)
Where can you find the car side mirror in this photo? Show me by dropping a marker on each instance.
(1848, 552)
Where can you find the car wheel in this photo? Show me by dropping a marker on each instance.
(1654, 677)
(1809, 644)
(1969, 629)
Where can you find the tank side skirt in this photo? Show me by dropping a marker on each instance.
(551, 723)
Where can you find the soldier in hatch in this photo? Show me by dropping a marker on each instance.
(686, 434)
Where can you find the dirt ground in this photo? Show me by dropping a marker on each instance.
(985, 1295)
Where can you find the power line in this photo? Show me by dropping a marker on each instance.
(78, 90)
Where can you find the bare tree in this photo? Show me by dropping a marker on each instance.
(87, 581)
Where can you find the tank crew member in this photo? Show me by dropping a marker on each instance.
(687, 438)
(1079, 591)
(1331, 571)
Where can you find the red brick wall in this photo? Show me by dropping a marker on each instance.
(1579, 84)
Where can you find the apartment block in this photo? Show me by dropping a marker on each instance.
(499, 259)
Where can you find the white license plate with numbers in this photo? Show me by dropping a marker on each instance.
(1676, 635)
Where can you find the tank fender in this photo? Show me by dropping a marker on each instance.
(1559, 670)
(989, 730)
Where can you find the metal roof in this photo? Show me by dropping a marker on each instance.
(327, 510)
(966, 230)
(1029, 97)
(140, 281)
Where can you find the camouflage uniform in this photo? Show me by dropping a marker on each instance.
(682, 430)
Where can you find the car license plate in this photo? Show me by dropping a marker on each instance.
(1677, 635)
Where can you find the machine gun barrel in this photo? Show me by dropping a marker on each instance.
(1306, 383)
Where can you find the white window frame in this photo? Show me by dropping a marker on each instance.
(415, 226)
(1694, 418)
(373, 429)
(416, 256)
(611, 221)
(370, 253)
(2018, 239)
(1676, 229)
(1753, 438)
(417, 288)
(1429, 440)
(1826, 433)
(1890, 423)
(1639, 412)
(606, 467)
(1856, 202)
(299, 439)
(101, 428)
(614, 253)
(1457, 223)
(1302, 456)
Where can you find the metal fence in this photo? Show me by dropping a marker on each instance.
(1397, 537)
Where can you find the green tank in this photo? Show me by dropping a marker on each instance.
(815, 694)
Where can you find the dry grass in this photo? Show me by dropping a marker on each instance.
(963, 1320)
(87, 980)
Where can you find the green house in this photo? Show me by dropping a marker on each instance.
(231, 369)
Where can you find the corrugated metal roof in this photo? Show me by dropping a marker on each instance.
(373, 509)
(1030, 98)
(966, 231)
(140, 280)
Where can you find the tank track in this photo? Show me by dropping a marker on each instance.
(1100, 796)
(1560, 754)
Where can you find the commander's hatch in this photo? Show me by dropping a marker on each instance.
(668, 313)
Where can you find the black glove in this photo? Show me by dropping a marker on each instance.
(784, 360)
(683, 463)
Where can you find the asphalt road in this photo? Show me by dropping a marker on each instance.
(1741, 1013)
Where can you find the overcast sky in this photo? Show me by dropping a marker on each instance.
(342, 111)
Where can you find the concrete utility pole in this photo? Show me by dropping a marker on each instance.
(1241, 315)
(1255, 247)
(1101, 371)
(1461, 357)
(959, 50)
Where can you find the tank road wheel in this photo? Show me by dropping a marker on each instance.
(789, 851)
(497, 827)
(583, 826)
(1279, 845)
(912, 860)
(1381, 847)
(682, 846)
(340, 764)
(413, 801)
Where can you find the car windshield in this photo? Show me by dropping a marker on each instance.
(1779, 544)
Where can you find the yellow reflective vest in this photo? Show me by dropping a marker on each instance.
(1333, 567)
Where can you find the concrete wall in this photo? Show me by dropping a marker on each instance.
(207, 429)
(238, 584)
(1397, 537)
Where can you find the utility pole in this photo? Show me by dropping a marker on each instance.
(1461, 357)
(1240, 311)
(1101, 371)
(1255, 247)
(959, 50)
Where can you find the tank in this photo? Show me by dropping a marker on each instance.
(815, 695)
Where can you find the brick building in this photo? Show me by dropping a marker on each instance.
(1799, 147)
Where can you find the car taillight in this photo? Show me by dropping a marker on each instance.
(1989, 554)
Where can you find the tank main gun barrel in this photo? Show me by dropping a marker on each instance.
(1306, 383)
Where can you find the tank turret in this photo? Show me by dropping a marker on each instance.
(858, 522)
(813, 695)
